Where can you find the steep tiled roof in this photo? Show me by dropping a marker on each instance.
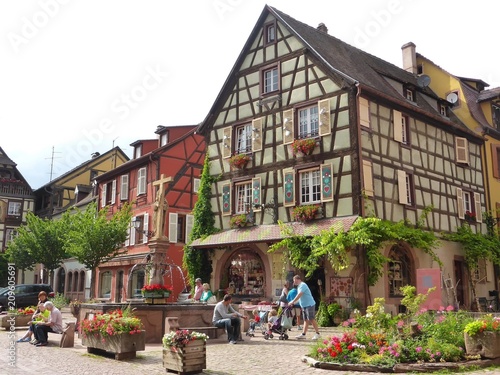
(489, 94)
(4, 159)
(272, 232)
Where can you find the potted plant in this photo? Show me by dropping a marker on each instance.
(184, 351)
(17, 318)
(238, 221)
(470, 216)
(118, 332)
(239, 161)
(156, 291)
(74, 307)
(303, 146)
(482, 336)
(305, 213)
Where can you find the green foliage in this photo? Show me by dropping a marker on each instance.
(487, 323)
(60, 301)
(411, 300)
(197, 261)
(322, 316)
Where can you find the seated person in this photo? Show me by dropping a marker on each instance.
(207, 293)
(198, 290)
(273, 317)
(53, 324)
(225, 316)
(256, 320)
(41, 314)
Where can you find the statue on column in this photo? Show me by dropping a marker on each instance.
(160, 208)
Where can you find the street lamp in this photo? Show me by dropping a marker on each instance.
(137, 223)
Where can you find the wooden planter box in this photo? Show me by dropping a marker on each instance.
(122, 346)
(188, 358)
(486, 344)
(8, 321)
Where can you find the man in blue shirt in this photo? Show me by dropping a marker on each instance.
(296, 309)
(308, 305)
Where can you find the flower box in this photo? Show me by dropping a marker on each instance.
(305, 213)
(189, 357)
(486, 344)
(238, 221)
(122, 345)
(303, 146)
(239, 161)
(164, 294)
(15, 320)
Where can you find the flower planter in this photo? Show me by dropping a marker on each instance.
(186, 358)
(122, 345)
(486, 344)
(9, 320)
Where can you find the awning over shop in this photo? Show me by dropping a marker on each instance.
(272, 232)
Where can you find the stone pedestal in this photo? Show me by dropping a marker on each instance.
(158, 249)
(486, 344)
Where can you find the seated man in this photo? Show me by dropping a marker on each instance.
(227, 317)
(53, 324)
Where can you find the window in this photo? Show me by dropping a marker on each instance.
(124, 187)
(420, 69)
(141, 181)
(310, 186)
(400, 270)
(243, 139)
(139, 230)
(163, 139)
(461, 150)
(10, 234)
(308, 122)
(108, 194)
(443, 109)
(406, 188)
(410, 94)
(269, 33)
(138, 151)
(270, 80)
(469, 206)
(137, 282)
(495, 114)
(14, 209)
(405, 131)
(105, 286)
(180, 227)
(243, 194)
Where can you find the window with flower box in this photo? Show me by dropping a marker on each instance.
(243, 197)
(308, 122)
(246, 193)
(469, 206)
(243, 139)
(314, 184)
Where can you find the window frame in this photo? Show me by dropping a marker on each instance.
(109, 275)
(14, 212)
(138, 151)
(409, 94)
(309, 133)
(163, 139)
(240, 206)
(246, 135)
(265, 33)
(124, 184)
(262, 74)
(314, 188)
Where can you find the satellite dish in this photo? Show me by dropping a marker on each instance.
(452, 97)
(423, 80)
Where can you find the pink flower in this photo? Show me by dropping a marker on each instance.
(450, 308)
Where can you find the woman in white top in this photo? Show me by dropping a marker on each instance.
(284, 294)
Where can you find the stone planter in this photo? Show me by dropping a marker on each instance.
(122, 346)
(9, 320)
(188, 358)
(486, 344)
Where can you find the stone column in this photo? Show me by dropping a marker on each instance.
(158, 250)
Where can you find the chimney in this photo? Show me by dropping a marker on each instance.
(322, 27)
(410, 57)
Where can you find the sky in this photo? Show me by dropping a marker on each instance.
(83, 76)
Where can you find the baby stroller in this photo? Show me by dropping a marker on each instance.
(261, 325)
(281, 325)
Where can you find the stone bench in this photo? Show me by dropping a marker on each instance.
(172, 324)
(67, 336)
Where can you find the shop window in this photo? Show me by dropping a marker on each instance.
(399, 270)
(244, 275)
(137, 281)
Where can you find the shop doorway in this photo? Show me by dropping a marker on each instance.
(243, 275)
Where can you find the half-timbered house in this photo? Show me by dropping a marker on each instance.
(309, 128)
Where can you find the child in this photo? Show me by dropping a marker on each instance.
(42, 314)
(255, 320)
(273, 317)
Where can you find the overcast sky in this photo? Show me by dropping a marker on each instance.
(86, 75)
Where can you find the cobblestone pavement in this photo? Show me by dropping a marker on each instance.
(254, 356)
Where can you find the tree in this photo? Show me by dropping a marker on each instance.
(93, 239)
(42, 240)
(197, 261)
(19, 254)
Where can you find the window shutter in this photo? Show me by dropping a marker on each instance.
(481, 268)
(256, 194)
(364, 112)
(132, 233)
(462, 150)
(460, 204)
(141, 181)
(189, 227)
(477, 207)
(326, 182)
(288, 127)
(495, 159)
(129, 230)
(146, 228)
(257, 134)
(397, 124)
(226, 143)
(288, 187)
(226, 199)
(325, 127)
(113, 192)
(172, 227)
(196, 185)
(403, 197)
(124, 187)
(368, 178)
(103, 195)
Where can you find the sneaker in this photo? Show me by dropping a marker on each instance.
(41, 344)
(34, 342)
(232, 342)
(301, 337)
(316, 336)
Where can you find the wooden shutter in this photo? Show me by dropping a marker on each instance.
(288, 187)
(325, 126)
(189, 227)
(226, 199)
(495, 160)
(257, 134)
(129, 230)
(145, 227)
(256, 194)
(326, 182)
(226, 142)
(288, 127)
(113, 192)
(477, 207)
(462, 150)
(398, 126)
(172, 227)
(124, 187)
(132, 233)
(368, 178)
(460, 203)
(403, 195)
(103, 195)
(364, 112)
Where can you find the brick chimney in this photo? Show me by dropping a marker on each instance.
(322, 27)
(409, 57)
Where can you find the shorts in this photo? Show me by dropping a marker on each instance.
(309, 313)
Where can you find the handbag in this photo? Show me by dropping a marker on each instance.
(212, 300)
